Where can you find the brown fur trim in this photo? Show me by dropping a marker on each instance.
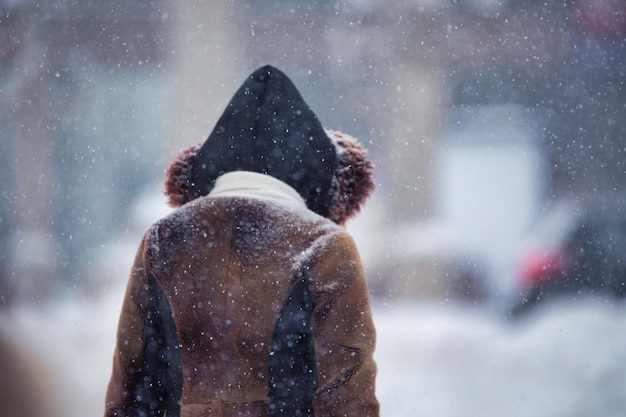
(177, 184)
(354, 178)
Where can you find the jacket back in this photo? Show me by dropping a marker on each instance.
(249, 290)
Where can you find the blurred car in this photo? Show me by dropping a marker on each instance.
(579, 249)
(426, 262)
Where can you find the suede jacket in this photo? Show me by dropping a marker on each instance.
(245, 303)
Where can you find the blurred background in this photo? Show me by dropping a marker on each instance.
(498, 128)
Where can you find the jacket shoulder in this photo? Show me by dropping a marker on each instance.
(178, 229)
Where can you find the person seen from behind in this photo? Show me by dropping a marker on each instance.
(250, 299)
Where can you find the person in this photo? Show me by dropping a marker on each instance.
(249, 299)
(26, 386)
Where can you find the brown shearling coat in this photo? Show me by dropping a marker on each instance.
(223, 269)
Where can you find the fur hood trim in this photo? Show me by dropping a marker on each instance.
(178, 175)
(352, 184)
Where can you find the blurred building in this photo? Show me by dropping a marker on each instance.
(81, 89)
(98, 96)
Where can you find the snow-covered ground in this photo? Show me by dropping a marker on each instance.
(446, 361)
(434, 360)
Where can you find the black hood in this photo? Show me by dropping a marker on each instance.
(267, 127)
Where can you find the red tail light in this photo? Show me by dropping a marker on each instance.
(541, 266)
